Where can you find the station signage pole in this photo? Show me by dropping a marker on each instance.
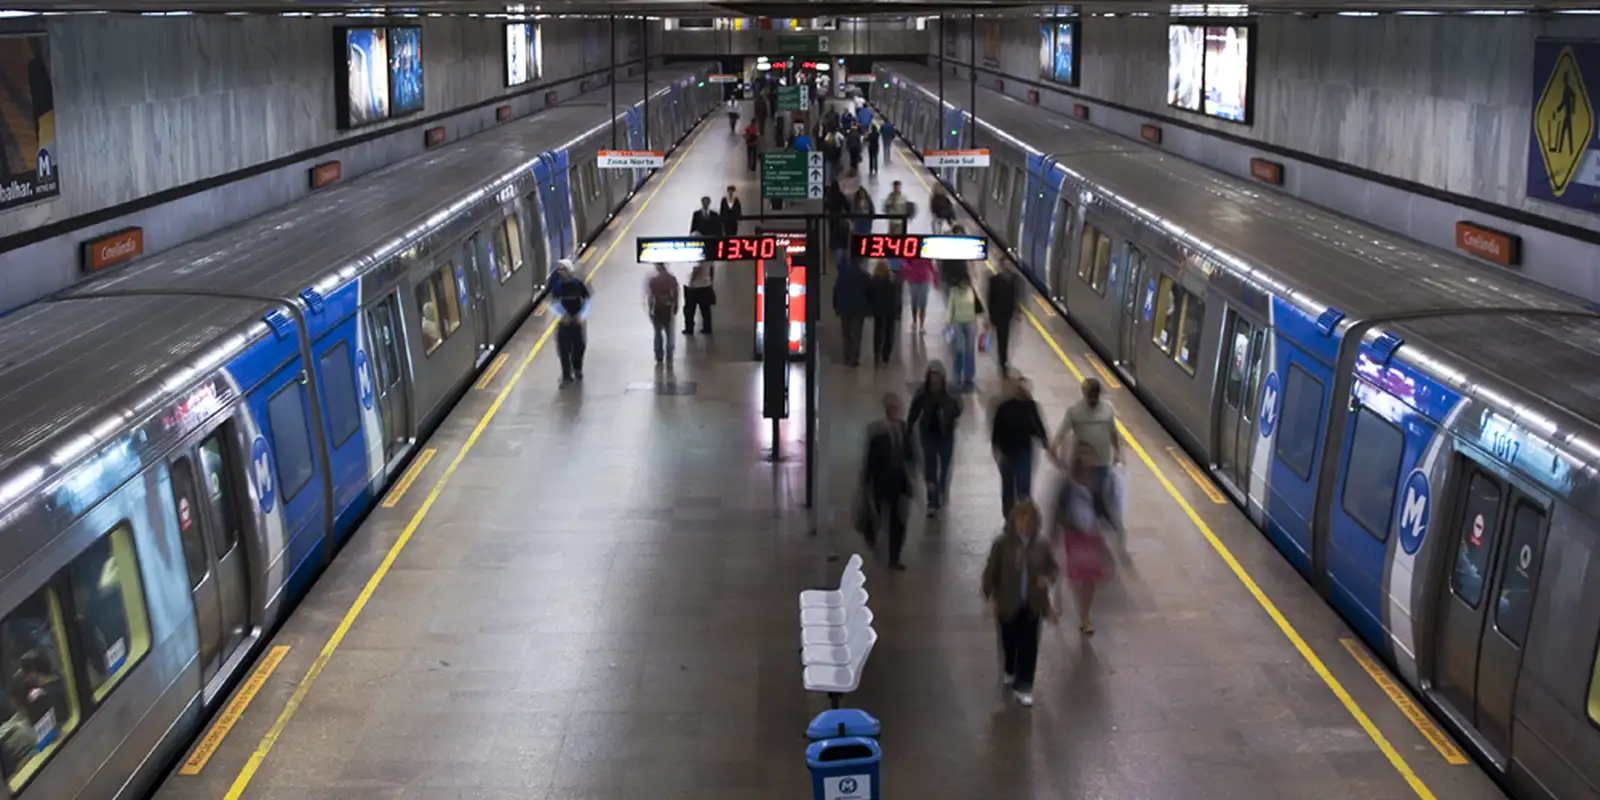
(644, 44)
(613, 80)
(972, 102)
(938, 115)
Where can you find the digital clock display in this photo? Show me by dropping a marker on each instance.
(890, 245)
(687, 249)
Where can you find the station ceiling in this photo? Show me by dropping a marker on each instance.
(766, 8)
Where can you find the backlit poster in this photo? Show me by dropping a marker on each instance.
(366, 75)
(523, 62)
(27, 149)
(1047, 33)
(1185, 66)
(405, 70)
(1064, 68)
(991, 43)
(1227, 62)
(797, 312)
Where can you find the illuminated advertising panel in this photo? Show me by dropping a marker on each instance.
(1228, 72)
(524, 61)
(405, 70)
(1185, 66)
(366, 76)
(1064, 66)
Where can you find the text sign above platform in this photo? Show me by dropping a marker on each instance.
(938, 248)
(720, 78)
(784, 176)
(793, 98)
(632, 159)
(956, 158)
(694, 249)
(860, 77)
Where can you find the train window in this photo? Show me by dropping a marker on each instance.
(1369, 483)
(214, 466)
(1520, 576)
(40, 693)
(184, 503)
(339, 389)
(1298, 421)
(108, 603)
(594, 180)
(496, 253)
(449, 298)
(428, 310)
(512, 230)
(1165, 332)
(1192, 316)
(1478, 522)
(1002, 186)
(291, 441)
(1094, 258)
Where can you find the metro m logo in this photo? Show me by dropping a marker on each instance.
(1415, 509)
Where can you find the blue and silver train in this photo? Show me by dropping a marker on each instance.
(1414, 431)
(185, 443)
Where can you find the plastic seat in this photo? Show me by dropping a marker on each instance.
(841, 679)
(836, 615)
(838, 655)
(832, 598)
(835, 635)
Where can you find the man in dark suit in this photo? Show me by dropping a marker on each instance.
(705, 222)
(886, 477)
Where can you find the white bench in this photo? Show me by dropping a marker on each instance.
(836, 634)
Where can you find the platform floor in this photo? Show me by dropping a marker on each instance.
(590, 593)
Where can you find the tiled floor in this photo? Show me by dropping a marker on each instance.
(600, 602)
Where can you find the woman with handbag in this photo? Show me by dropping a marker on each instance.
(1016, 587)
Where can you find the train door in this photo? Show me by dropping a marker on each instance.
(387, 363)
(585, 189)
(1235, 429)
(475, 262)
(1496, 545)
(1013, 205)
(1133, 290)
(207, 501)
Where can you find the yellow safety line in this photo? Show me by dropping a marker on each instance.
(1198, 476)
(1334, 685)
(408, 478)
(235, 710)
(1425, 726)
(1043, 306)
(495, 366)
(539, 312)
(1109, 379)
(272, 735)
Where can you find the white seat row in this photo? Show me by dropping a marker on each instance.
(836, 634)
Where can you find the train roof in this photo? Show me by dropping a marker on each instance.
(326, 240)
(76, 373)
(1298, 248)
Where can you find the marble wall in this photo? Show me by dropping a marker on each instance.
(149, 104)
(1442, 101)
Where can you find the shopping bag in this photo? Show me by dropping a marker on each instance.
(866, 517)
(950, 334)
(983, 342)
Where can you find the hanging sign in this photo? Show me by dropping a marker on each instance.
(956, 158)
(632, 159)
(722, 78)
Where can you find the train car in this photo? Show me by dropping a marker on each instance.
(185, 443)
(1281, 344)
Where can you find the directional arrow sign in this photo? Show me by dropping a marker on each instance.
(783, 176)
(814, 160)
(816, 176)
(816, 191)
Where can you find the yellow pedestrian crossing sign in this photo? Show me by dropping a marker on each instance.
(1563, 122)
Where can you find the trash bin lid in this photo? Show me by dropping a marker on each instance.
(855, 721)
(852, 751)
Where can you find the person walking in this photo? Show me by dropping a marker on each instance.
(1002, 309)
(661, 305)
(886, 478)
(732, 110)
(919, 275)
(704, 221)
(886, 304)
(962, 310)
(700, 295)
(752, 145)
(937, 411)
(730, 212)
(861, 204)
(852, 145)
(953, 271)
(1017, 426)
(1091, 426)
(1017, 579)
(572, 296)
(872, 140)
(897, 204)
(942, 208)
(852, 292)
(1080, 548)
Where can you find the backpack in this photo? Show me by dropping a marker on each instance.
(661, 300)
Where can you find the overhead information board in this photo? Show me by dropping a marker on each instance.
(793, 98)
(694, 249)
(791, 175)
(938, 248)
(631, 159)
(723, 78)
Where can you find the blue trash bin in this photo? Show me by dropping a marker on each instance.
(844, 769)
(842, 722)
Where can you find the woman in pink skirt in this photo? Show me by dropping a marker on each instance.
(1080, 548)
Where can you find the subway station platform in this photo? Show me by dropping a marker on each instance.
(590, 592)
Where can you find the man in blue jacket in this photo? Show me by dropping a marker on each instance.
(570, 297)
(852, 301)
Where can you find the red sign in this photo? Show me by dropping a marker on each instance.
(1150, 133)
(1033, 96)
(112, 249)
(433, 137)
(1266, 171)
(797, 310)
(1080, 111)
(503, 113)
(325, 173)
(1489, 244)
